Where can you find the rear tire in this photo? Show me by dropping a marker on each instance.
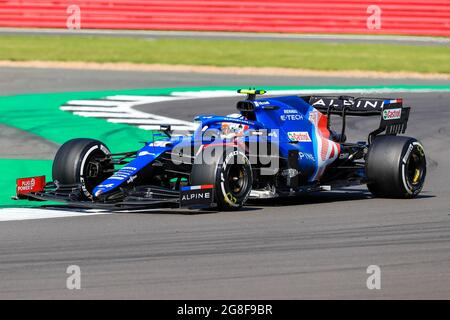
(76, 162)
(395, 167)
(231, 174)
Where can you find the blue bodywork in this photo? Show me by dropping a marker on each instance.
(298, 128)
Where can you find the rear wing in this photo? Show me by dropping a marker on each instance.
(394, 116)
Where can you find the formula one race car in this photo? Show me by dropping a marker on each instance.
(274, 147)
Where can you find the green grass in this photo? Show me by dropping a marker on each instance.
(304, 55)
(20, 168)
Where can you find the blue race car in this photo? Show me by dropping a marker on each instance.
(274, 147)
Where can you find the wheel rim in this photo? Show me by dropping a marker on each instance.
(415, 168)
(237, 180)
(94, 171)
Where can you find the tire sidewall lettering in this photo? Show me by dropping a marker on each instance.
(91, 149)
(227, 196)
(410, 190)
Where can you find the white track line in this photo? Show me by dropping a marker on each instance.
(116, 114)
(140, 99)
(19, 214)
(88, 109)
(178, 130)
(151, 121)
(99, 103)
(119, 109)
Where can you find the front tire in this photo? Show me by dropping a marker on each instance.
(76, 162)
(231, 174)
(396, 167)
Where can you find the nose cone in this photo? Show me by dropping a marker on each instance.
(127, 174)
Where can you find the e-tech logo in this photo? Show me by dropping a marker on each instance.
(291, 117)
(392, 114)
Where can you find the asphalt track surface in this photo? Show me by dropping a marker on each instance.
(318, 246)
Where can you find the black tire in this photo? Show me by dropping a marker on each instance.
(395, 167)
(230, 172)
(75, 162)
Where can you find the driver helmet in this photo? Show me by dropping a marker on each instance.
(231, 130)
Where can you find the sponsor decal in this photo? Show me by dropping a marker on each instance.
(117, 178)
(32, 184)
(290, 111)
(359, 104)
(306, 155)
(196, 195)
(393, 101)
(241, 121)
(159, 143)
(261, 103)
(231, 155)
(299, 136)
(123, 173)
(392, 114)
(132, 169)
(408, 153)
(146, 153)
(105, 150)
(291, 117)
(109, 185)
(313, 117)
(132, 179)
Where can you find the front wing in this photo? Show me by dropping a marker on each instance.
(140, 197)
